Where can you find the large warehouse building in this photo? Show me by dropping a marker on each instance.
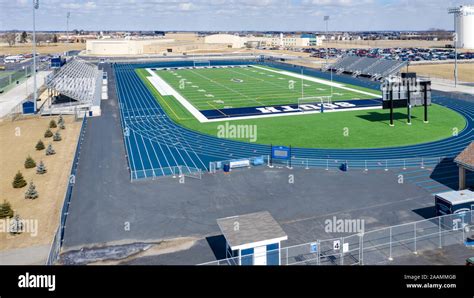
(237, 42)
(130, 47)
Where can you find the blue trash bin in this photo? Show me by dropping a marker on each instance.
(227, 168)
(343, 167)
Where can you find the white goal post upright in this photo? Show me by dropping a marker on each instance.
(201, 63)
(313, 100)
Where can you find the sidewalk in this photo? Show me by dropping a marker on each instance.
(15, 96)
(35, 255)
(448, 86)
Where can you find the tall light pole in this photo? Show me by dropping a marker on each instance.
(456, 13)
(67, 32)
(326, 19)
(35, 95)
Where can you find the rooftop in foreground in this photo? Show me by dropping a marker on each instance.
(250, 228)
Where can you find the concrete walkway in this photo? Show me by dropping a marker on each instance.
(35, 255)
(448, 86)
(13, 97)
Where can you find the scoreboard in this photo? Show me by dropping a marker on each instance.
(406, 90)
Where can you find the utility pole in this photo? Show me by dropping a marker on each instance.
(35, 95)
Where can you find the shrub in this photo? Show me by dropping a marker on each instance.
(52, 124)
(19, 181)
(57, 137)
(62, 126)
(30, 163)
(6, 210)
(16, 225)
(61, 120)
(48, 134)
(31, 193)
(50, 150)
(41, 168)
(40, 145)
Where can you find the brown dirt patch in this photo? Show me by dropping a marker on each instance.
(51, 186)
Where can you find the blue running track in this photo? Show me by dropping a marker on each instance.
(156, 146)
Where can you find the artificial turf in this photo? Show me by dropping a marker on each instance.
(351, 129)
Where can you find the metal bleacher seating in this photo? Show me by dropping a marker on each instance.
(373, 67)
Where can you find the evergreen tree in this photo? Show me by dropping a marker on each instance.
(31, 193)
(19, 181)
(6, 210)
(16, 225)
(24, 36)
(52, 124)
(41, 168)
(50, 150)
(30, 163)
(48, 134)
(61, 120)
(57, 137)
(40, 145)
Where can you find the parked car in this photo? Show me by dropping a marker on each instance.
(470, 261)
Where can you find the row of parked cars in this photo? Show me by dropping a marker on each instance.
(402, 54)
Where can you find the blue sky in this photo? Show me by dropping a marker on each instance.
(278, 15)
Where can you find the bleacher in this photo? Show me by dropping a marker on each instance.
(78, 81)
(364, 66)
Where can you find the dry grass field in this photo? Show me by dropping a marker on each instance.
(446, 71)
(18, 140)
(52, 48)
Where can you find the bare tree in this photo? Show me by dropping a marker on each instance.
(41, 38)
(10, 39)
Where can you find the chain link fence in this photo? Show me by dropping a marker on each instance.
(377, 247)
(12, 78)
(59, 236)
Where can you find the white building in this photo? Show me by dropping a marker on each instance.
(233, 41)
(122, 46)
(237, 42)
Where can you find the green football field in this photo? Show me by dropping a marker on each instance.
(221, 88)
(347, 129)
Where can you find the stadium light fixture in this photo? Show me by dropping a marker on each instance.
(455, 12)
(326, 19)
(35, 95)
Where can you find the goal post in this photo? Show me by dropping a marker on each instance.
(323, 101)
(201, 63)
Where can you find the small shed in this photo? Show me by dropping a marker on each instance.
(465, 162)
(253, 239)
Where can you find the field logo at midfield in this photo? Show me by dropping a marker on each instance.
(305, 107)
(241, 132)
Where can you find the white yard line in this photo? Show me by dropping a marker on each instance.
(160, 84)
(320, 81)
